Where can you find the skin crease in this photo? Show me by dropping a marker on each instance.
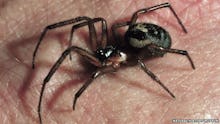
(128, 96)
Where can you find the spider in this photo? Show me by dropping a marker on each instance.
(141, 40)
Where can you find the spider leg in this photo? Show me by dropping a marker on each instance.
(103, 42)
(90, 57)
(92, 33)
(115, 34)
(94, 76)
(176, 51)
(163, 5)
(154, 77)
(53, 26)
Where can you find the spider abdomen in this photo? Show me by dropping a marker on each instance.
(140, 35)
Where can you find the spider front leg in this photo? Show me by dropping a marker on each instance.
(92, 33)
(96, 74)
(154, 77)
(53, 26)
(82, 89)
(163, 5)
(90, 57)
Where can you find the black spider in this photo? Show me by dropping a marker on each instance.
(142, 40)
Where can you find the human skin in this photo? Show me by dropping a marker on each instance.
(127, 96)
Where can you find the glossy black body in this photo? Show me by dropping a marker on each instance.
(104, 53)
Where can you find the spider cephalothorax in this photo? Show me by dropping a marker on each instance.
(111, 56)
(141, 40)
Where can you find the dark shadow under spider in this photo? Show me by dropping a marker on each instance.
(141, 40)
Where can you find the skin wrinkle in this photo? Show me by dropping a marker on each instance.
(119, 13)
(184, 74)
